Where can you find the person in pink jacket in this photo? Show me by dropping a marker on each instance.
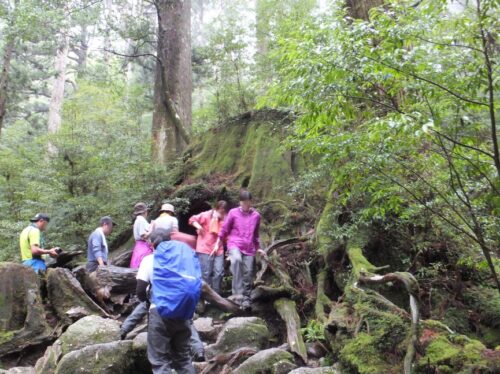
(241, 230)
(208, 225)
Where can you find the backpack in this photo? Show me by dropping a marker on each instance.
(176, 285)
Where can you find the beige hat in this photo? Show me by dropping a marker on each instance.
(167, 208)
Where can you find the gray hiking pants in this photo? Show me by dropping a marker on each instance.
(140, 312)
(242, 268)
(168, 345)
(212, 270)
(134, 318)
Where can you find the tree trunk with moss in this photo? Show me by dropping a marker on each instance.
(173, 82)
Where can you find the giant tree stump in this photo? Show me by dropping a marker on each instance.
(22, 316)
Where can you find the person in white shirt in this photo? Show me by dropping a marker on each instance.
(166, 220)
(177, 333)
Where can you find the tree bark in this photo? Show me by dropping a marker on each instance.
(57, 97)
(361, 8)
(173, 81)
(4, 79)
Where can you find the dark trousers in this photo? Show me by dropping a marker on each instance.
(138, 315)
(168, 344)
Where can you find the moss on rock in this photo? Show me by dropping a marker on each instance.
(263, 361)
(361, 355)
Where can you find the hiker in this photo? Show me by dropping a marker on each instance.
(168, 221)
(175, 277)
(97, 246)
(140, 311)
(208, 225)
(141, 232)
(241, 229)
(32, 243)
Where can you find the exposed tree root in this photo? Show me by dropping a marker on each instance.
(412, 287)
(287, 310)
(227, 360)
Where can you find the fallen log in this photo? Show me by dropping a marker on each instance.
(264, 293)
(113, 282)
(287, 310)
(208, 294)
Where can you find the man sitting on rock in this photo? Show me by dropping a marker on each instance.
(174, 274)
(32, 243)
(97, 246)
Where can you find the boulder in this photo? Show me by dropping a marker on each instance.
(19, 370)
(283, 367)
(240, 332)
(206, 329)
(67, 297)
(48, 362)
(88, 331)
(22, 315)
(322, 370)
(140, 353)
(106, 358)
(264, 361)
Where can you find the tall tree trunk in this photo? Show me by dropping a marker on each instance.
(262, 14)
(173, 82)
(108, 5)
(361, 8)
(82, 49)
(4, 78)
(57, 96)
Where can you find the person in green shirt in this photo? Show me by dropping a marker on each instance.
(32, 243)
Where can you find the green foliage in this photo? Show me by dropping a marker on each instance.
(314, 331)
(397, 110)
(103, 166)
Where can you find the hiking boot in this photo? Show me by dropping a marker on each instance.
(199, 357)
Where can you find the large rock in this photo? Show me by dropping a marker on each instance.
(322, 370)
(88, 331)
(67, 297)
(19, 370)
(206, 329)
(107, 358)
(140, 353)
(264, 361)
(240, 332)
(22, 315)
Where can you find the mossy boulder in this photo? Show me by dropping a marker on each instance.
(240, 332)
(458, 354)
(322, 370)
(88, 331)
(22, 314)
(361, 355)
(107, 358)
(263, 362)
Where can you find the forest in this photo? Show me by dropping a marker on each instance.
(365, 130)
